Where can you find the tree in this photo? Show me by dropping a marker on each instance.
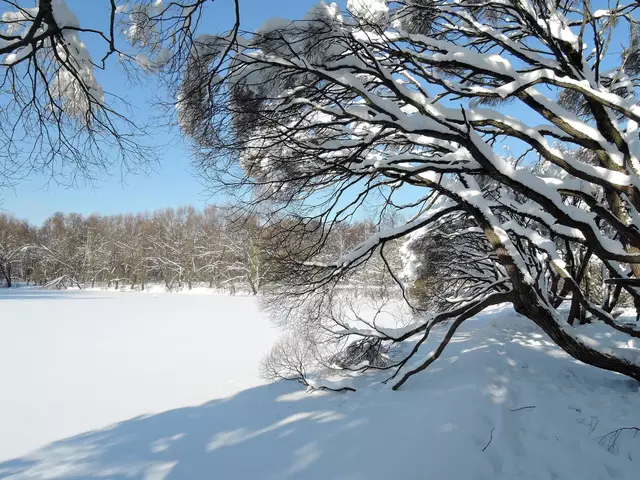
(15, 238)
(54, 114)
(408, 106)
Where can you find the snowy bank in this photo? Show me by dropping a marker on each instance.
(502, 401)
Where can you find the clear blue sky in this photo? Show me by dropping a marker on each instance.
(172, 183)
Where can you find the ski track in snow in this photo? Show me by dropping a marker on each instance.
(74, 362)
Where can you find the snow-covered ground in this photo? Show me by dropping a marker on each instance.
(72, 361)
(502, 402)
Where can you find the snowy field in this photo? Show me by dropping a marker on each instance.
(136, 386)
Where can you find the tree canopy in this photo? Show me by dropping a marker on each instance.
(507, 127)
(499, 139)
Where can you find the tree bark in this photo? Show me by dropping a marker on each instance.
(530, 305)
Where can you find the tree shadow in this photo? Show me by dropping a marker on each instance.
(279, 431)
(271, 431)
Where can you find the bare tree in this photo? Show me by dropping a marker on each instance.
(15, 237)
(406, 106)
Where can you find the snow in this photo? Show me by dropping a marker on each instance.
(77, 361)
(63, 15)
(502, 402)
(143, 60)
(274, 24)
(369, 11)
(155, 63)
(557, 26)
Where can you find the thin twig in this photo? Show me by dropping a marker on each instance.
(490, 438)
(610, 440)
(522, 408)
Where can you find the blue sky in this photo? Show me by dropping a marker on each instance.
(172, 182)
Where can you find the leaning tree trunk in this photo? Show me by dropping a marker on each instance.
(529, 304)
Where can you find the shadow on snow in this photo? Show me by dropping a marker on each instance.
(436, 427)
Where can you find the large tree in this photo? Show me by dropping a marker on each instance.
(507, 128)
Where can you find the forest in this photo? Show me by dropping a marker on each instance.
(175, 248)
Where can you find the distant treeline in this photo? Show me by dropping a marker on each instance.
(175, 247)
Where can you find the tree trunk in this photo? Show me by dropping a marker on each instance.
(574, 311)
(252, 285)
(6, 273)
(529, 302)
(529, 305)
